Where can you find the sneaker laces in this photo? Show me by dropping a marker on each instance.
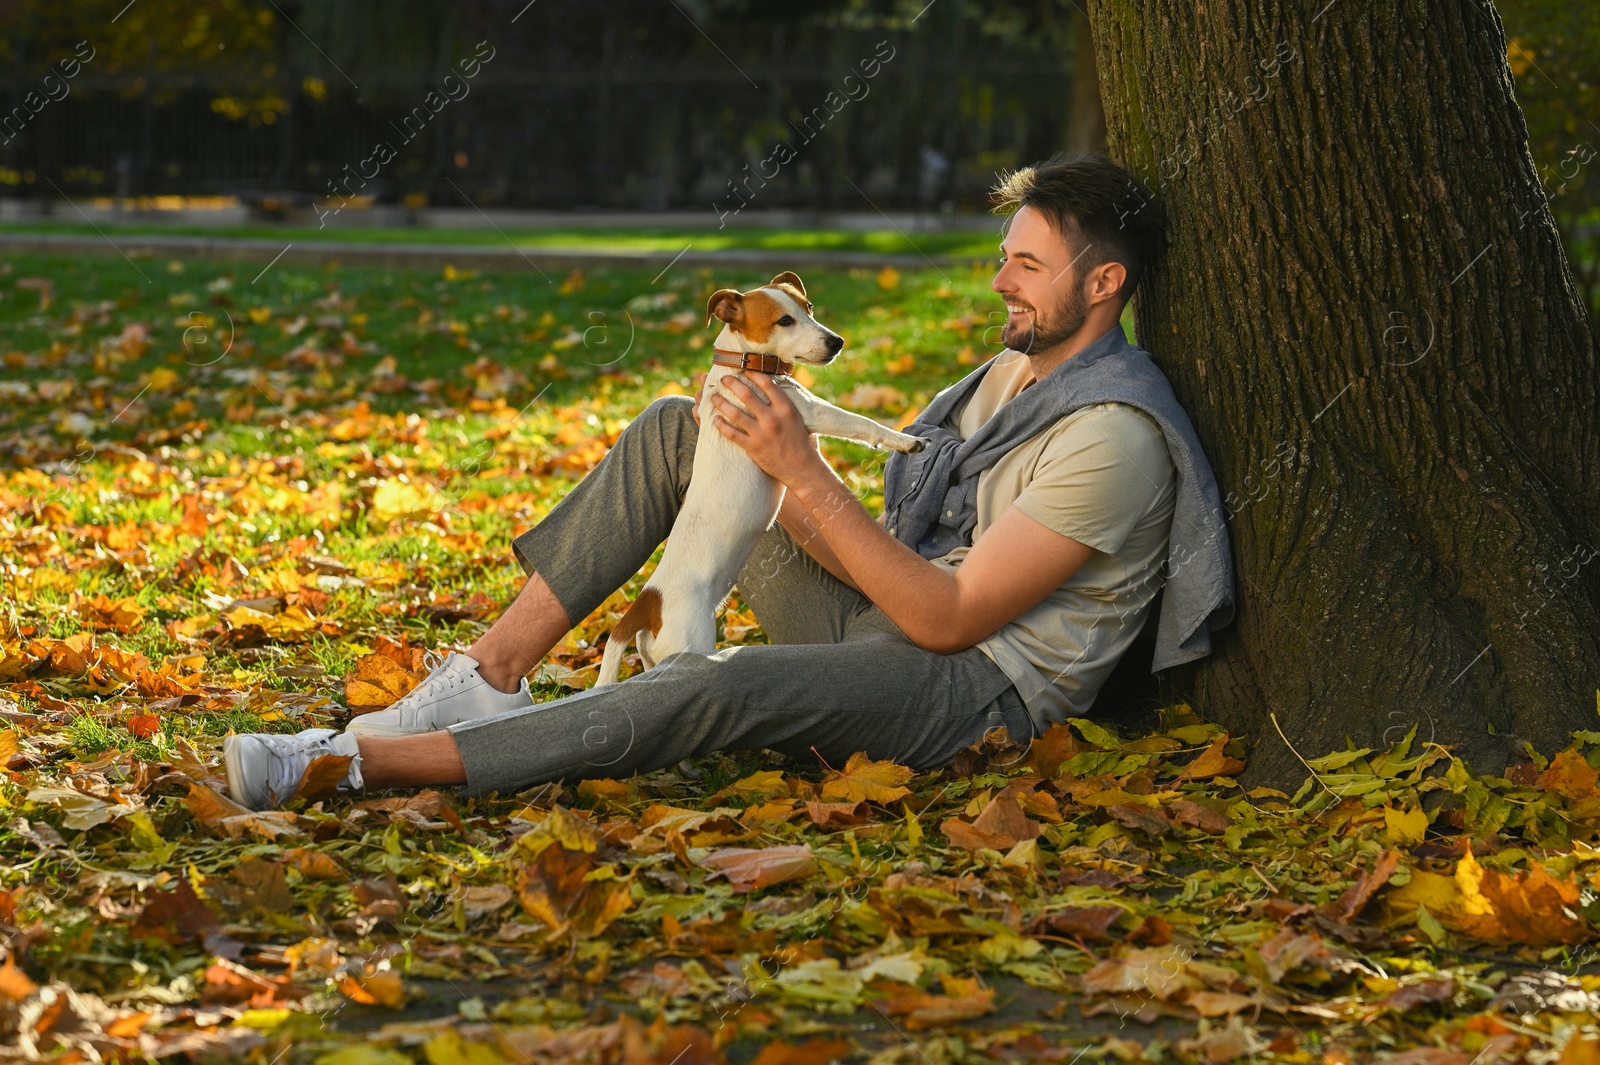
(430, 685)
(292, 755)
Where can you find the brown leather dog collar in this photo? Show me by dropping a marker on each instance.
(752, 360)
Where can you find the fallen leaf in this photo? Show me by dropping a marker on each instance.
(1212, 762)
(177, 916)
(322, 776)
(963, 1000)
(753, 869)
(865, 780)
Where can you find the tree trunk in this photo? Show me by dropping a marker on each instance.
(1086, 127)
(1366, 309)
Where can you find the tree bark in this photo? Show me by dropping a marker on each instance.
(1367, 312)
(1086, 127)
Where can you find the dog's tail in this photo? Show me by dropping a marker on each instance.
(644, 614)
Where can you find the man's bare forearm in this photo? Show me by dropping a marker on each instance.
(919, 597)
(793, 518)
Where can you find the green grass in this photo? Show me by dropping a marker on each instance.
(889, 241)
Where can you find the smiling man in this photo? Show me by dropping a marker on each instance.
(1016, 559)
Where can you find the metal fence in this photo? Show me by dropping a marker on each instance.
(831, 121)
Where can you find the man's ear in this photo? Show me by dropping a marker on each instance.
(724, 304)
(1107, 281)
(789, 278)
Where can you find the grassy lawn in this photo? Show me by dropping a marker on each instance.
(254, 506)
(887, 241)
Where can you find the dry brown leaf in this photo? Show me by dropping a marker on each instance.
(177, 916)
(839, 814)
(1001, 825)
(316, 864)
(753, 869)
(322, 776)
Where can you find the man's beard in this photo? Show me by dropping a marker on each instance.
(1039, 334)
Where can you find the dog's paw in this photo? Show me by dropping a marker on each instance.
(917, 444)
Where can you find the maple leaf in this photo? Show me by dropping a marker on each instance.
(862, 779)
(124, 615)
(377, 682)
(1526, 907)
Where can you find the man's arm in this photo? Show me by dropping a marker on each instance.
(1008, 571)
(793, 518)
(1011, 568)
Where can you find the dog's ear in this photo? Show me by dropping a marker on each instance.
(724, 304)
(790, 278)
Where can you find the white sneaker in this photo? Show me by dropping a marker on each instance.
(454, 692)
(264, 770)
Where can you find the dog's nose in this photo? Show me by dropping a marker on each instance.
(834, 342)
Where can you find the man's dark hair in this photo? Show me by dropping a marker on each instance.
(1095, 204)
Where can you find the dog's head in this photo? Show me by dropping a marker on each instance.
(776, 320)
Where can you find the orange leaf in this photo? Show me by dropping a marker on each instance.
(323, 776)
(14, 983)
(1212, 762)
(380, 988)
(814, 1052)
(378, 681)
(963, 1000)
(1570, 776)
(1528, 907)
(119, 615)
(209, 806)
(144, 725)
(864, 779)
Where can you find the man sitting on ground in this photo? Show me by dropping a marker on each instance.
(1017, 558)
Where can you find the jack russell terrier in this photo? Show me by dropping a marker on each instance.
(731, 501)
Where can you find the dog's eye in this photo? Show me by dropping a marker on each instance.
(786, 320)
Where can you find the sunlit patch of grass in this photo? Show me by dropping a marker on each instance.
(89, 734)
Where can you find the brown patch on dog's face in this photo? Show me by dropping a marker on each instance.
(758, 316)
(776, 319)
(751, 314)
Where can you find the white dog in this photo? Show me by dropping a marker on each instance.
(731, 501)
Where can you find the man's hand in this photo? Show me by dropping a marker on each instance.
(771, 431)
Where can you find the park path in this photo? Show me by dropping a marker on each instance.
(461, 256)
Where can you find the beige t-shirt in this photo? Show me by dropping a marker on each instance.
(1103, 476)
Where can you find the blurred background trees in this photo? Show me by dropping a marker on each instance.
(641, 104)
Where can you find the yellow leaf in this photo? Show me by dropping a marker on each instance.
(396, 497)
(888, 278)
(448, 1048)
(1404, 827)
(755, 787)
(864, 779)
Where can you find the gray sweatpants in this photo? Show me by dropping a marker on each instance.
(838, 677)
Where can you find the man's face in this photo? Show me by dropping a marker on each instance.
(1041, 285)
